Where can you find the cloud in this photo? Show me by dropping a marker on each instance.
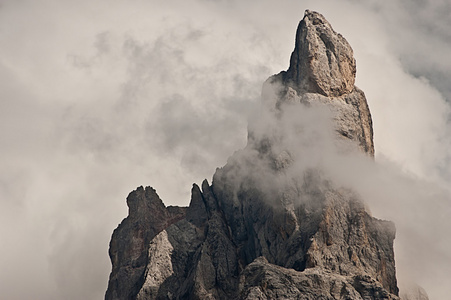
(419, 28)
(94, 94)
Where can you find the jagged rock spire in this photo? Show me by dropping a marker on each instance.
(322, 71)
(322, 61)
(267, 228)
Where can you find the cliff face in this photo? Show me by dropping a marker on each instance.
(130, 243)
(272, 225)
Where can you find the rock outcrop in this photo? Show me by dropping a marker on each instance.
(269, 227)
(322, 70)
(130, 243)
(322, 61)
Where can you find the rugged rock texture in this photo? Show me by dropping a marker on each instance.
(322, 61)
(322, 71)
(262, 280)
(130, 243)
(307, 223)
(269, 227)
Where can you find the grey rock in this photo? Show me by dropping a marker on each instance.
(262, 280)
(197, 212)
(129, 244)
(351, 115)
(265, 228)
(308, 223)
(322, 61)
(193, 258)
(322, 71)
(171, 251)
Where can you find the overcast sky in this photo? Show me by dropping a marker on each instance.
(99, 97)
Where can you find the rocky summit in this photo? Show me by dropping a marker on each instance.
(273, 224)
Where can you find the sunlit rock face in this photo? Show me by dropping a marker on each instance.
(322, 61)
(273, 224)
(322, 71)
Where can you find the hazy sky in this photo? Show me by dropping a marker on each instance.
(99, 97)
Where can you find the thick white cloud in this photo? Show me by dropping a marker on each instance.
(99, 97)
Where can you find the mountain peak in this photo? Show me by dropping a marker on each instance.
(274, 223)
(322, 61)
(322, 73)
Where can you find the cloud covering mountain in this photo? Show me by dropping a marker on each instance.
(98, 98)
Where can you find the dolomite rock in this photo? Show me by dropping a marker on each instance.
(322, 61)
(266, 228)
(322, 71)
(308, 223)
(262, 280)
(129, 246)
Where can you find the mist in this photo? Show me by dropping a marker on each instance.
(101, 97)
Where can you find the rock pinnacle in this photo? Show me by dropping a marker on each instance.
(322, 61)
(273, 224)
